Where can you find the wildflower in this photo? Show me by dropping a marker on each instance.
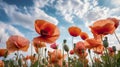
(48, 32)
(16, 42)
(3, 52)
(38, 44)
(1, 63)
(115, 20)
(80, 47)
(103, 27)
(56, 57)
(71, 52)
(54, 46)
(92, 42)
(99, 49)
(74, 31)
(84, 35)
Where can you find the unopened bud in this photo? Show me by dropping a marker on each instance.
(66, 48)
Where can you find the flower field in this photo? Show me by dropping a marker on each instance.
(88, 52)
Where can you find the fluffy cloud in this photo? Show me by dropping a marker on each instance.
(28, 16)
(5, 31)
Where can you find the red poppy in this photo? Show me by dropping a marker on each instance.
(38, 44)
(56, 57)
(84, 35)
(80, 47)
(99, 49)
(54, 46)
(91, 43)
(103, 27)
(32, 58)
(74, 31)
(110, 49)
(1, 63)
(16, 42)
(48, 31)
(71, 52)
(3, 52)
(116, 21)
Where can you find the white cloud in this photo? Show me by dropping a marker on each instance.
(5, 31)
(31, 14)
(115, 3)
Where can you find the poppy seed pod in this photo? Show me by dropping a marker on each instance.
(64, 41)
(114, 48)
(66, 48)
(105, 42)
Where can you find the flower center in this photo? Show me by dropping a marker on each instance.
(43, 33)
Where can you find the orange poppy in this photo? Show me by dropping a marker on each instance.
(103, 27)
(111, 51)
(38, 44)
(32, 58)
(116, 21)
(97, 60)
(3, 52)
(74, 31)
(16, 42)
(1, 63)
(48, 31)
(84, 35)
(99, 49)
(91, 43)
(80, 47)
(56, 57)
(83, 55)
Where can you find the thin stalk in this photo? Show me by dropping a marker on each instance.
(68, 60)
(31, 49)
(117, 37)
(90, 57)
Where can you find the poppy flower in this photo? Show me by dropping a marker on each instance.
(97, 60)
(83, 55)
(99, 49)
(111, 51)
(31, 58)
(84, 35)
(1, 63)
(48, 32)
(116, 21)
(80, 47)
(92, 42)
(71, 52)
(74, 31)
(103, 27)
(16, 42)
(38, 44)
(56, 57)
(54, 46)
(3, 52)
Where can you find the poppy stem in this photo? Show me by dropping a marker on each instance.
(68, 59)
(117, 37)
(31, 49)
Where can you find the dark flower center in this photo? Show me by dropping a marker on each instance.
(43, 33)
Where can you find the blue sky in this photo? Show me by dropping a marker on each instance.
(18, 16)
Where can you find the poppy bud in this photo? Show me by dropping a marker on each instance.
(105, 42)
(54, 46)
(64, 41)
(89, 51)
(74, 45)
(45, 49)
(71, 52)
(66, 48)
(114, 48)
